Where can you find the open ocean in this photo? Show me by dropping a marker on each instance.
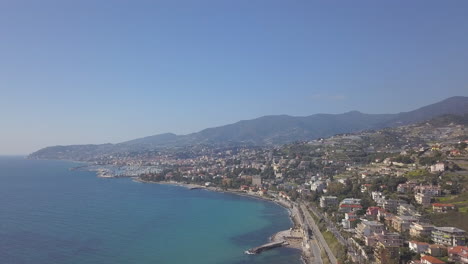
(49, 214)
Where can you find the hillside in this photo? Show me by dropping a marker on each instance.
(267, 130)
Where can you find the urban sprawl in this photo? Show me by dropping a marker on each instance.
(396, 195)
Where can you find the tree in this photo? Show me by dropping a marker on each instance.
(406, 255)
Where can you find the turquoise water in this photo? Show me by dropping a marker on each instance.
(49, 214)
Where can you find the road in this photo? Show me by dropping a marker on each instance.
(332, 228)
(317, 234)
(330, 225)
(315, 251)
(314, 255)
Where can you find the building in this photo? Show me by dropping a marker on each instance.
(458, 254)
(372, 211)
(351, 201)
(392, 204)
(449, 236)
(350, 205)
(431, 260)
(421, 229)
(377, 196)
(407, 209)
(418, 247)
(327, 201)
(257, 181)
(442, 208)
(382, 215)
(431, 190)
(318, 186)
(423, 199)
(436, 250)
(368, 228)
(387, 238)
(346, 208)
(405, 187)
(349, 221)
(439, 167)
(402, 223)
(384, 253)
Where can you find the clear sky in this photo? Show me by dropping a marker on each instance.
(95, 71)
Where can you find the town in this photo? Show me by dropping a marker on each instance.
(396, 195)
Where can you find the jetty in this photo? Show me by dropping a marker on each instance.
(196, 188)
(267, 246)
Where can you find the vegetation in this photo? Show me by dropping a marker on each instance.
(338, 250)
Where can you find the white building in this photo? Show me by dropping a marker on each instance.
(317, 186)
(438, 167)
(418, 247)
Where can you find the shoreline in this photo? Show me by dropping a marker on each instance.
(295, 222)
(280, 235)
(217, 189)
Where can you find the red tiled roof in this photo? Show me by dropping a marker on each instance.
(457, 249)
(442, 205)
(432, 260)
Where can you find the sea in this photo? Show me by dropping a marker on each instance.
(51, 214)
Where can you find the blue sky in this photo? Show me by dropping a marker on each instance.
(95, 71)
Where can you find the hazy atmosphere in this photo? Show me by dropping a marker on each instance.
(76, 72)
(233, 131)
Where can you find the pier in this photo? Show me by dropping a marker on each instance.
(267, 246)
(197, 188)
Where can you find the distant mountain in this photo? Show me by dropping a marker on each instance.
(457, 105)
(266, 130)
(153, 141)
(282, 129)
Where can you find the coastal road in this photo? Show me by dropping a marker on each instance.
(317, 234)
(332, 228)
(314, 246)
(314, 255)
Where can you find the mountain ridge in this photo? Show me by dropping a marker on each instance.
(265, 130)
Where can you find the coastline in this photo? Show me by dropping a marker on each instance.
(290, 235)
(278, 236)
(275, 237)
(217, 189)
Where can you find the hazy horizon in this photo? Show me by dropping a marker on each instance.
(75, 72)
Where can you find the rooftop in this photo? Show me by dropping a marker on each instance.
(372, 223)
(442, 205)
(450, 229)
(432, 260)
(419, 243)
